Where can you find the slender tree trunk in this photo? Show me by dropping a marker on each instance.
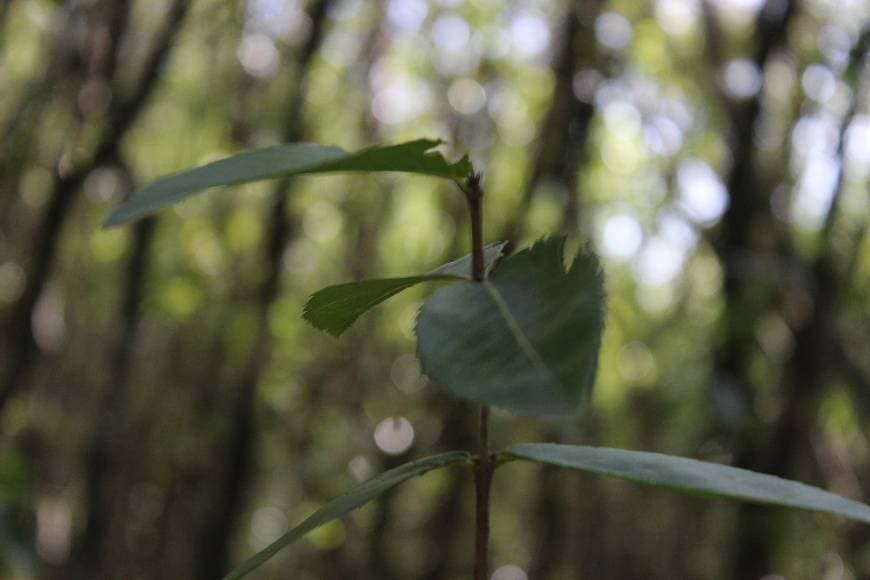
(65, 187)
(807, 371)
(747, 231)
(561, 145)
(458, 434)
(560, 154)
(215, 547)
(101, 452)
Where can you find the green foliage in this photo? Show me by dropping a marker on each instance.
(690, 476)
(335, 308)
(285, 161)
(356, 497)
(525, 339)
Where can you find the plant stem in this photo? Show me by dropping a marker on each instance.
(482, 481)
(484, 467)
(474, 194)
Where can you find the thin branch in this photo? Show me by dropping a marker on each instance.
(748, 210)
(482, 485)
(856, 64)
(240, 441)
(561, 144)
(19, 130)
(484, 466)
(474, 195)
(128, 109)
(110, 415)
(65, 186)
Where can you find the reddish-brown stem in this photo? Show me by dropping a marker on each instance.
(484, 467)
(474, 194)
(482, 483)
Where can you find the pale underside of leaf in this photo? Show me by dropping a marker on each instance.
(285, 161)
(356, 497)
(461, 267)
(690, 476)
(335, 308)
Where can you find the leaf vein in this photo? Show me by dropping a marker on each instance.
(522, 340)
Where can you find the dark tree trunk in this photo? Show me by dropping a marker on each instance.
(239, 444)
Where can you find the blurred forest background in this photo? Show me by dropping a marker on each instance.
(165, 411)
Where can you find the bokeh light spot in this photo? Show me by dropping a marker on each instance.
(613, 30)
(322, 222)
(636, 362)
(509, 572)
(677, 17)
(621, 236)
(741, 78)
(258, 55)
(360, 468)
(451, 33)
(818, 83)
(530, 34)
(267, 524)
(702, 196)
(394, 435)
(407, 15)
(406, 375)
(466, 96)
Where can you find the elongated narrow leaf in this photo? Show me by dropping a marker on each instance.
(358, 496)
(335, 308)
(691, 476)
(284, 161)
(526, 339)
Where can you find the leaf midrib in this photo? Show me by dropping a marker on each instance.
(519, 336)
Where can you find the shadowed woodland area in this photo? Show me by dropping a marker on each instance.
(165, 411)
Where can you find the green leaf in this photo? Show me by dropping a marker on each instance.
(284, 161)
(691, 476)
(335, 308)
(526, 339)
(358, 496)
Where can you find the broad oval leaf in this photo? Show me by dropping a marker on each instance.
(284, 161)
(526, 339)
(356, 497)
(691, 476)
(335, 308)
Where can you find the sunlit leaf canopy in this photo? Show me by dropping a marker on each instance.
(650, 105)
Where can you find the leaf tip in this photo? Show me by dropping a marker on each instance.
(458, 170)
(464, 167)
(124, 214)
(311, 315)
(432, 143)
(115, 219)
